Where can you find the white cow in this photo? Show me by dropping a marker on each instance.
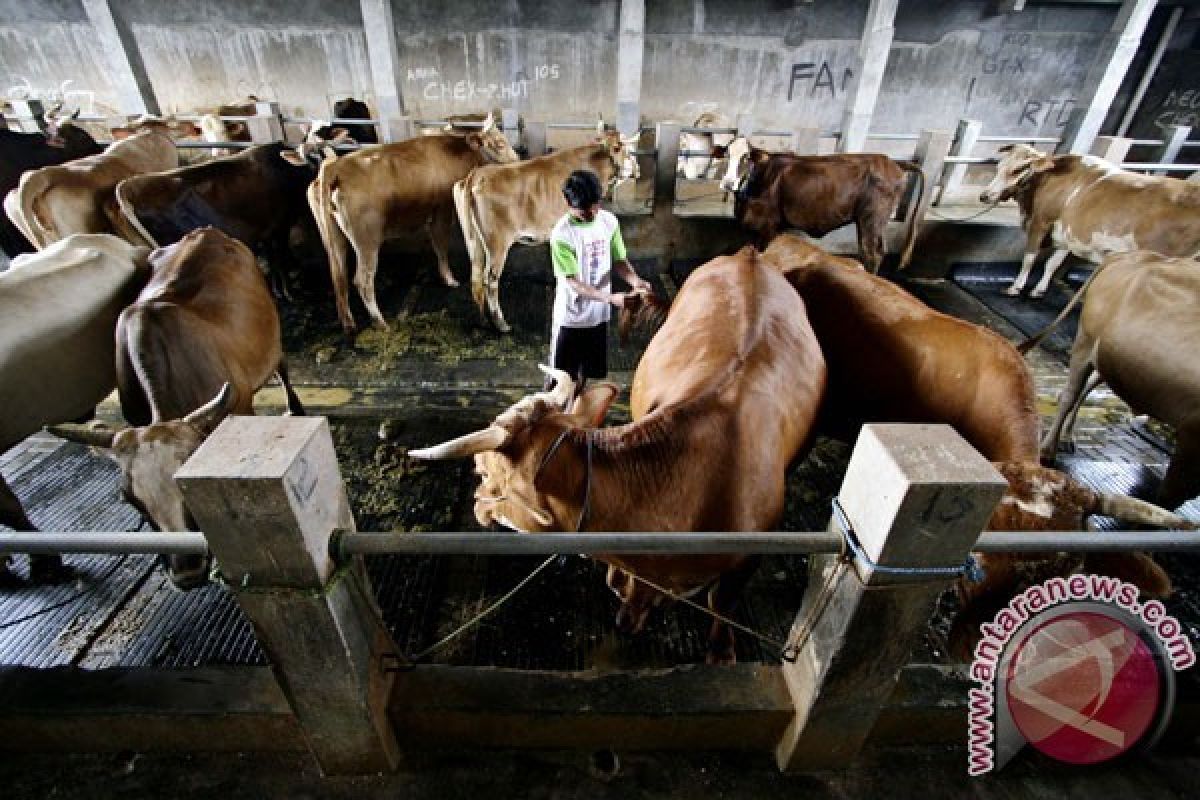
(708, 166)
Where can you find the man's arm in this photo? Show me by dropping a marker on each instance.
(621, 265)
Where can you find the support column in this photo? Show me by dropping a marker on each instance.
(266, 125)
(384, 55)
(630, 50)
(917, 496)
(932, 149)
(28, 116)
(868, 75)
(268, 494)
(1107, 73)
(666, 141)
(1176, 135)
(135, 94)
(965, 139)
(1112, 148)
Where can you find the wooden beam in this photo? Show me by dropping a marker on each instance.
(868, 75)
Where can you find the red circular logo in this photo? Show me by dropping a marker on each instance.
(1083, 687)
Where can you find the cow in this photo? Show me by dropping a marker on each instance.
(1044, 499)
(818, 194)
(200, 340)
(215, 129)
(501, 204)
(712, 145)
(348, 109)
(21, 152)
(254, 196)
(53, 202)
(377, 192)
(58, 316)
(1138, 323)
(893, 359)
(1091, 207)
(724, 399)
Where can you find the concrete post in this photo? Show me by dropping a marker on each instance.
(806, 141)
(510, 123)
(1169, 154)
(916, 496)
(268, 494)
(266, 125)
(666, 135)
(965, 139)
(135, 94)
(383, 53)
(1112, 148)
(630, 51)
(868, 75)
(932, 149)
(28, 116)
(1107, 72)
(535, 139)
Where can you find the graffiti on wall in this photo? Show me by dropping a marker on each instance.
(82, 99)
(435, 89)
(1179, 107)
(1038, 112)
(810, 80)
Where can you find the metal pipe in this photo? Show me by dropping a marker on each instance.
(1152, 67)
(180, 543)
(1034, 139)
(1088, 542)
(1164, 167)
(347, 544)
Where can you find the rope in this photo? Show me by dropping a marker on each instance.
(970, 569)
(933, 213)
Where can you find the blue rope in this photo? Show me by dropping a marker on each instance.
(970, 568)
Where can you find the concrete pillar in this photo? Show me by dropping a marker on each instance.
(268, 494)
(1112, 148)
(932, 149)
(510, 123)
(266, 125)
(916, 496)
(126, 73)
(28, 116)
(630, 50)
(806, 141)
(868, 75)
(1169, 154)
(384, 55)
(1148, 74)
(535, 139)
(1107, 73)
(666, 141)
(965, 139)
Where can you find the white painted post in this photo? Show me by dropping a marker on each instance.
(965, 139)
(932, 149)
(266, 125)
(383, 54)
(1169, 154)
(28, 116)
(135, 94)
(510, 123)
(268, 494)
(535, 139)
(630, 51)
(868, 75)
(1108, 71)
(916, 496)
(806, 141)
(1112, 148)
(666, 135)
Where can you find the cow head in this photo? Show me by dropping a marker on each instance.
(621, 150)
(526, 482)
(1018, 164)
(149, 457)
(492, 144)
(738, 153)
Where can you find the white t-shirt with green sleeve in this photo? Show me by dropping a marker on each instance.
(584, 251)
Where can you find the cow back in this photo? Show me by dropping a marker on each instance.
(58, 312)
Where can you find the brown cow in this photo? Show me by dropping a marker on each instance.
(1043, 499)
(894, 359)
(1138, 325)
(377, 192)
(818, 194)
(506, 203)
(54, 202)
(723, 401)
(205, 326)
(1092, 208)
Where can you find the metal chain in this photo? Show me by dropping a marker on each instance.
(933, 213)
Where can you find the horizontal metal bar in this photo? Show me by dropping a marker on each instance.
(198, 144)
(1035, 139)
(1169, 167)
(895, 137)
(181, 543)
(970, 160)
(585, 543)
(1152, 142)
(1088, 542)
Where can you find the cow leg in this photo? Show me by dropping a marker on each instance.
(441, 228)
(1182, 481)
(1052, 264)
(295, 408)
(723, 599)
(1033, 242)
(276, 251)
(366, 251)
(1072, 396)
(497, 250)
(42, 568)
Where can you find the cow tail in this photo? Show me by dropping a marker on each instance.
(1033, 341)
(910, 239)
(468, 218)
(126, 221)
(320, 201)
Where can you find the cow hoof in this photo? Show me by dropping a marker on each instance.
(451, 283)
(501, 326)
(9, 579)
(1036, 295)
(49, 569)
(1013, 291)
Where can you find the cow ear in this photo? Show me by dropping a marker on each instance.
(592, 405)
(1008, 148)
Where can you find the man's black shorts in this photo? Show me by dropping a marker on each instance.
(581, 352)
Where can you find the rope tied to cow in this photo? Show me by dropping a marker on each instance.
(933, 213)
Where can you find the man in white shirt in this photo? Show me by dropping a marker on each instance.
(585, 247)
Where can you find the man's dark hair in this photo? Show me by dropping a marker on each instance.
(582, 189)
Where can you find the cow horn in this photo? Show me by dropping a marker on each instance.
(83, 434)
(564, 386)
(1131, 510)
(207, 417)
(492, 437)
